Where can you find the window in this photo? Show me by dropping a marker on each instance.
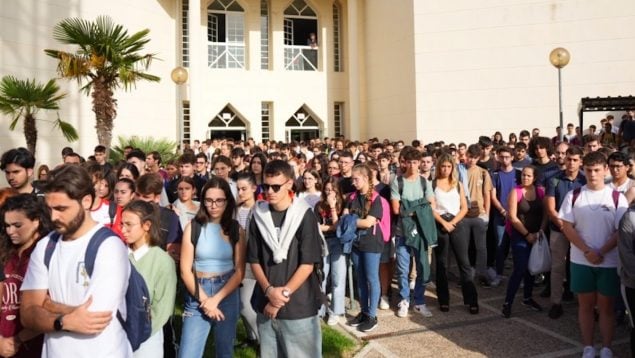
(185, 34)
(300, 37)
(264, 35)
(186, 121)
(225, 35)
(337, 39)
(228, 124)
(302, 126)
(265, 120)
(338, 116)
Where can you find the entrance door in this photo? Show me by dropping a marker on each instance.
(302, 134)
(229, 134)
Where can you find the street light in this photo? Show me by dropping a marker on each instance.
(559, 57)
(179, 76)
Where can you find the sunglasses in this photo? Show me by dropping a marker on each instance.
(275, 187)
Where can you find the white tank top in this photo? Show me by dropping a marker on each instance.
(448, 201)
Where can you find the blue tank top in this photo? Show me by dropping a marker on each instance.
(213, 254)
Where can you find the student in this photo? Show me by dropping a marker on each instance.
(366, 253)
(329, 210)
(451, 207)
(184, 206)
(590, 223)
(25, 221)
(123, 194)
(17, 165)
(246, 185)
(140, 228)
(211, 272)
(221, 167)
(75, 311)
(528, 221)
(311, 189)
(286, 297)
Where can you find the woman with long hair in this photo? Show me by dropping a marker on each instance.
(511, 142)
(257, 166)
(328, 210)
(212, 270)
(528, 221)
(185, 206)
(497, 139)
(141, 229)
(122, 195)
(319, 164)
(246, 185)
(367, 250)
(451, 208)
(25, 221)
(43, 172)
(311, 190)
(128, 170)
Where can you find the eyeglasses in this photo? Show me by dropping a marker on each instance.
(276, 187)
(220, 202)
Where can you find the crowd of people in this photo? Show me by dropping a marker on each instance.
(265, 233)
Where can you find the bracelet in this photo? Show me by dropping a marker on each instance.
(267, 289)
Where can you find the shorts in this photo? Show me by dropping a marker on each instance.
(388, 254)
(587, 279)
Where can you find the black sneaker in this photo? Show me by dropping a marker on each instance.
(532, 304)
(358, 320)
(368, 325)
(507, 310)
(555, 312)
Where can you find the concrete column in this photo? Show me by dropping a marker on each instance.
(352, 122)
(197, 69)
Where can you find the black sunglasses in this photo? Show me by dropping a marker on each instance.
(275, 187)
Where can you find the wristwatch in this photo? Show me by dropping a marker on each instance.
(58, 324)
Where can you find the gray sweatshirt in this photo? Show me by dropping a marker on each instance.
(626, 249)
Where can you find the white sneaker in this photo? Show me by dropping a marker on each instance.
(403, 308)
(606, 352)
(333, 320)
(384, 303)
(423, 309)
(589, 352)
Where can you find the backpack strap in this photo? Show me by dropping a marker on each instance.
(400, 184)
(519, 193)
(54, 237)
(576, 194)
(93, 245)
(195, 232)
(112, 211)
(424, 185)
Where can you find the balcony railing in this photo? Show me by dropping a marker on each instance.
(225, 55)
(300, 58)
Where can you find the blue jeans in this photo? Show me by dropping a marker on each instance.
(290, 337)
(520, 253)
(367, 266)
(196, 325)
(335, 269)
(502, 247)
(403, 252)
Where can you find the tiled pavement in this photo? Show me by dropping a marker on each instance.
(458, 334)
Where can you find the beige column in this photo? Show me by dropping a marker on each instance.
(352, 123)
(197, 70)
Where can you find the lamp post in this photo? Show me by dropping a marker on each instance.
(179, 76)
(559, 57)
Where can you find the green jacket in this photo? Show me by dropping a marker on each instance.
(419, 229)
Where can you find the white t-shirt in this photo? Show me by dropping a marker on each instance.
(595, 218)
(67, 283)
(101, 214)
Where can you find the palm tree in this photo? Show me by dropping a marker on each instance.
(24, 98)
(107, 59)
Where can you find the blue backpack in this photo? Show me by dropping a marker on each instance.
(137, 323)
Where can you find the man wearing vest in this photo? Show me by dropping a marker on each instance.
(75, 309)
(557, 187)
(411, 190)
(590, 217)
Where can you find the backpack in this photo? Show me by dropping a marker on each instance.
(137, 324)
(577, 191)
(195, 232)
(384, 222)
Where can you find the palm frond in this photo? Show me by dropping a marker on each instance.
(68, 131)
(165, 147)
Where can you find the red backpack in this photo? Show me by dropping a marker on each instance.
(384, 222)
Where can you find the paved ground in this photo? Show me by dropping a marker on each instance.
(458, 334)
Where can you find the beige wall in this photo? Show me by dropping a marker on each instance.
(25, 30)
(389, 70)
(483, 66)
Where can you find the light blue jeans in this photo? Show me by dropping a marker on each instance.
(196, 325)
(296, 338)
(403, 252)
(335, 269)
(367, 266)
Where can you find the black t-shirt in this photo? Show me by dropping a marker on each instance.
(2, 277)
(304, 249)
(374, 242)
(489, 165)
(346, 185)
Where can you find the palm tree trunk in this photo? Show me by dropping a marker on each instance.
(30, 132)
(105, 108)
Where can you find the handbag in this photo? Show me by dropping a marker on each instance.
(540, 256)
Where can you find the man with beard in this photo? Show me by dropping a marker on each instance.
(17, 165)
(75, 310)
